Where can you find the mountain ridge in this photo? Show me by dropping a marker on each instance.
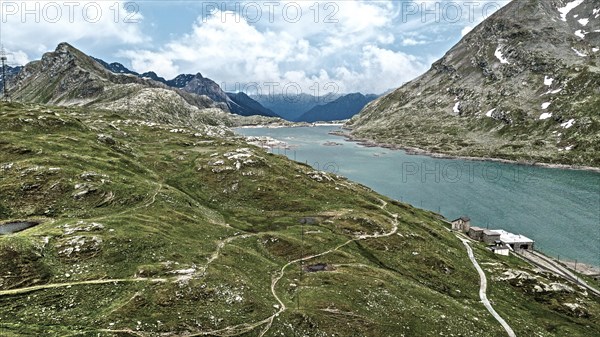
(200, 85)
(290, 107)
(68, 77)
(516, 87)
(341, 108)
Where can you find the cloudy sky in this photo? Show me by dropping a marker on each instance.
(342, 46)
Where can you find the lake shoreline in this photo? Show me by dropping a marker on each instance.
(417, 151)
(580, 267)
(317, 146)
(291, 125)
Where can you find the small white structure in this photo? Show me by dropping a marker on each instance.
(516, 242)
(500, 248)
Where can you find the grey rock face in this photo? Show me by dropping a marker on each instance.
(205, 86)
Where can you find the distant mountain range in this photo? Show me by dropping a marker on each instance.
(342, 108)
(197, 84)
(247, 106)
(309, 108)
(178, 82)
(523, 85)
(87, 82)
(292, 107)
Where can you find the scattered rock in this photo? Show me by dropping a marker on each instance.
(319, 176)
(7, 166)
(106, 139)
(79, 245)
(82, 227)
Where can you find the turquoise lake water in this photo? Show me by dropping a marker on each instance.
(559, 209)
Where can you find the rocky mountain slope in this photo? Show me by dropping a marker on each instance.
(197, 84)
(200, 85)
(180, 81)
(523, 85)
(159, 229)
(344, 107)
(240, 104)
(69, 77)
(246, 106)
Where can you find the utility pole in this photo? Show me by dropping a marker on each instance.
(301, 264)
(3, 58)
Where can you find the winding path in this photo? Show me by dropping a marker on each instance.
(76, 283)
(231, 330)
(276, 280)
(483, 290)
(246, 327)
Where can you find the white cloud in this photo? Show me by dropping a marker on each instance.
(34, 27)
(16, 57)
(235, 51)
(230, 48)
(409, 41)
(360, 45)
(382, 69)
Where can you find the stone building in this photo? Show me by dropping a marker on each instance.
(475, 233)
(489, 236)
(461, 224)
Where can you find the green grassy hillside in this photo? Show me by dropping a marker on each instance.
(150, 229)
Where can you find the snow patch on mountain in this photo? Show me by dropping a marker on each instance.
(499, 56)
(567, 8)
(456, 108)
(568, 124)
(579, 53)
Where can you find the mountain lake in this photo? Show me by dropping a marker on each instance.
(558, 208)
